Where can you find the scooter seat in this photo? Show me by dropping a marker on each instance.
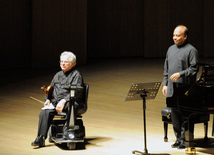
(64, 114)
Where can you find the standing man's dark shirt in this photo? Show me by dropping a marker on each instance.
(182, 59)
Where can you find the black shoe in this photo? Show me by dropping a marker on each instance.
(40, 141)
(176, 144)
(181, 146)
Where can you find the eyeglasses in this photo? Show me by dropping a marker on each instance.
(66, 62)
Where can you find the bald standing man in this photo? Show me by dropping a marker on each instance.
(180, 66)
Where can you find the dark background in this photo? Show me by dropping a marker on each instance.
(33, 33)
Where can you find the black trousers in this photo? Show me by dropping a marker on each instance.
(46, 116)
(183, 121)
(179, 125)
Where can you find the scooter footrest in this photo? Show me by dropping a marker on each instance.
(61, 140)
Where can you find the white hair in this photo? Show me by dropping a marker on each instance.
(72, 57)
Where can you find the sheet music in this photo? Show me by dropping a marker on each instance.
(48, 107)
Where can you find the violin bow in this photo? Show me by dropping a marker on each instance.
(36, 99)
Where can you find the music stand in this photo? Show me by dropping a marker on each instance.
(139, 91)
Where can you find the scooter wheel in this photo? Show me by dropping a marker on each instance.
(71, 146)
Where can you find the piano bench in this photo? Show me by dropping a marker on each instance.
(166, 118)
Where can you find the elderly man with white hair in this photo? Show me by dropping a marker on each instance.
(60, 97)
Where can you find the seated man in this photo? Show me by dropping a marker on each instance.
(60, 96)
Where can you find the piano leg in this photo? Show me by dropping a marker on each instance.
(189, 137)
(190, 150)
(189, 134)
(165, 132)
(205, 131)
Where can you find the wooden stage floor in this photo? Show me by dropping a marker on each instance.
(113, 126)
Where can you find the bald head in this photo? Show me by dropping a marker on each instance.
(183, 28)
(180, 35)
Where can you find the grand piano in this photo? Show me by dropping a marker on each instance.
(194, 100)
